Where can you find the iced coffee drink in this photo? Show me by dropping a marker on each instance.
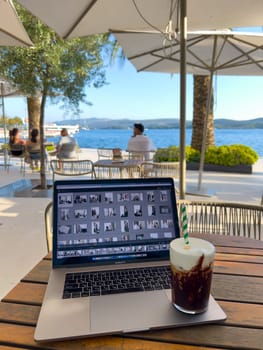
(191, 271)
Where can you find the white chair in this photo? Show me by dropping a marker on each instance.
(49, 226)
(224, 218)
(160, 169)
(105, 153)
(32, 154)
(141, 155)
(72, 167)
(68, 151)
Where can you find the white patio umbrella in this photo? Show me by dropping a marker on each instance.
(208, 52)
(12, 32)
(76, 18)
(71, 18)
(235, 52)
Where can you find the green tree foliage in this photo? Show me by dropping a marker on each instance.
(10, 122)
(55, 69)
(59, 68)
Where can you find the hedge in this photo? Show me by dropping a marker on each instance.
(228, 155)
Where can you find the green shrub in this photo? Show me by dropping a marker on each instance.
(172, 154)
(169, 154)
(161, 155)
(231, 155)
(191, 154)
(228, 155)
(5, 146)
(50, 148)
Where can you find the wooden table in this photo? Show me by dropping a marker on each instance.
(237, 286)
(107, 168)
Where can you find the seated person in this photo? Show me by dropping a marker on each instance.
(66, 147)
(141, 143)
(16, 143)
(33, 149)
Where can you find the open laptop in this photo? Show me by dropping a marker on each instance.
(108, 228)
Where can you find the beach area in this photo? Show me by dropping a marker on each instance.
(22, 229)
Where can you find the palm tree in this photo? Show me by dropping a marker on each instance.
(201, 95)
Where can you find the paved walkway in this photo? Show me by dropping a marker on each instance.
(22, 231)
(232, 187)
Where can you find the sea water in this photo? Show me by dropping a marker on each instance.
(111, 138)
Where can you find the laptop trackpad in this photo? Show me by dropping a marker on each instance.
(131, 312)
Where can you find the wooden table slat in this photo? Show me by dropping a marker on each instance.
(19, 313)
(253, 259)
(24, 336)
(241, 314)
(3, 347)
(231, 241)
(39, 273)
(26, 293)
(239, 288)
(224, 287)
(238, 314)
(238, 268)
(237, 250)
(209, 335)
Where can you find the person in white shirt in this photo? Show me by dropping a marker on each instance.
(66, 152)
(141, 143)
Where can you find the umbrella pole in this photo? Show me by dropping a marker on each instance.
(183, 33)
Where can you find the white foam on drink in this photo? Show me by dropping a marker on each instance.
(185, 258)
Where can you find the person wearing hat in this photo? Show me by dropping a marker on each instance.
(140, 145)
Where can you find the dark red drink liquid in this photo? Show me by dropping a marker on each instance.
(191, 289)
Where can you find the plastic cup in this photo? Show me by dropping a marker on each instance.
(191, 273)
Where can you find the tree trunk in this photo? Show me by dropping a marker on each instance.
(33, 107)
(36, 116)
(43, 178)
(201, 92)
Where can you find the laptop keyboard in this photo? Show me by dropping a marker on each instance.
(87, 284)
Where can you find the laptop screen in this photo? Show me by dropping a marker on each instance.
(113, 221)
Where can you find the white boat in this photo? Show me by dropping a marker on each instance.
(3, 133)
(52, 130)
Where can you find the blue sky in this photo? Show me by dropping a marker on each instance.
(154, 95)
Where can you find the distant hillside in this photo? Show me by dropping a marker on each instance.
(166, 123)
(106, 123)
(239, 124)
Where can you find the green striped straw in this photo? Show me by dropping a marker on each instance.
(185, 226)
